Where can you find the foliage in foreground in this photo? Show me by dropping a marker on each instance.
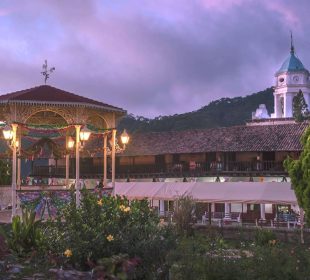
(299, 172)
(25, 235)
(108, 226)
(200, 257)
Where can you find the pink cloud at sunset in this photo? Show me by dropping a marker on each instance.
(150, 57)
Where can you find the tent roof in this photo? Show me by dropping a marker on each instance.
(235, 192)
(45, 94)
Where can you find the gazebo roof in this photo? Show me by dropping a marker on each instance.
(45, 94)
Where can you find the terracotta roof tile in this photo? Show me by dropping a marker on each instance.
(281, 137)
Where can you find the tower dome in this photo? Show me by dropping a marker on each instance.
(292, 64)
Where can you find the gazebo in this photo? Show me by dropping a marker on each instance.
(48, 109)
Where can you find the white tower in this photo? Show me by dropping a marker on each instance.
(291, 78)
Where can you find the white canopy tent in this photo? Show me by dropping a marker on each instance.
(233, 192)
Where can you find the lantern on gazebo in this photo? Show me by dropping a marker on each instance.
(70, 143)
(7, 132)
(125, 138)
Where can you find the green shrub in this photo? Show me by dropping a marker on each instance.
(265, 237)
(110, 226)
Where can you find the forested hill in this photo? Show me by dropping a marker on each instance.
(219, 113)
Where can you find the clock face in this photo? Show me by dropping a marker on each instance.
(281, 80)
(295, 79)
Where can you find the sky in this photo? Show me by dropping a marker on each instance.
(151, 57)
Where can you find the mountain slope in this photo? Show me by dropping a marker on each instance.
(219, 113)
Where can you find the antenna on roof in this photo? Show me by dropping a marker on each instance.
(46, 72)
(292, 43)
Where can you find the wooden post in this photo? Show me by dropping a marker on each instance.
(77, 165)
(210, 214)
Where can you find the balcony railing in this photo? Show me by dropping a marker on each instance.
(183, 169)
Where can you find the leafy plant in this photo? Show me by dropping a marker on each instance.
(184, 215)
(26, 234)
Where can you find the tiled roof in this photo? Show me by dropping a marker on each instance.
(45, 93)
(282, 137)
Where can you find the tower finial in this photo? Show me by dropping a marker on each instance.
(292, 43)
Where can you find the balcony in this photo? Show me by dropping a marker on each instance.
(200, 169)
(182, 169)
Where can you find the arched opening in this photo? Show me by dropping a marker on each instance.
(43, 148)
(97, 121)
(46, 118)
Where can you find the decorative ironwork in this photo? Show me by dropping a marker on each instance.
(46, 72)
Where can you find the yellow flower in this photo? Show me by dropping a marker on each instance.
(99, 202)
(272, 242)
(68, 253)
(110, 238)
(161, 223)
(127, 209)
(122, 207)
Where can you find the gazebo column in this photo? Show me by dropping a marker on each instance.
(227, 211)
(113, 160)
(105, 142)
(77, 164)
(14, 148)
(19, 160)
(67, 169)
(262, 212)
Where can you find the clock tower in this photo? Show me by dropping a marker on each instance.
(291, 77)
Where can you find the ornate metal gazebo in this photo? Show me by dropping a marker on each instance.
(45, 108)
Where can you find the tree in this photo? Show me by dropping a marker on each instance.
(300, 107)
(299, 172)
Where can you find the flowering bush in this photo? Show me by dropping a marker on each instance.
(105, 227)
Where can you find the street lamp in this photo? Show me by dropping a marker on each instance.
(70, 145)
(81, 135)
(9, 133)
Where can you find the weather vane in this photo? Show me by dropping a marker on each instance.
(46, 72)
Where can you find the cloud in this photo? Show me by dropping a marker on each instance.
(150, 57)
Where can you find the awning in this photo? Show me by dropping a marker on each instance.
(234, 192)
(245, 192)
